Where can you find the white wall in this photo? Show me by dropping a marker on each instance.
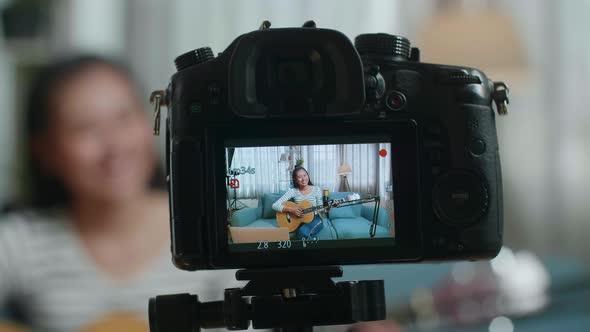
(163, 30)
(89, 26)
(7, 124)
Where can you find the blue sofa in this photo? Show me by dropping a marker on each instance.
(351, 222)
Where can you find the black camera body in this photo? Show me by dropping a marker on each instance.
(290, 86)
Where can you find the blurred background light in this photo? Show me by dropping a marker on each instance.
(501, 324)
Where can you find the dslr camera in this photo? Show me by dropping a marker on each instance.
(404, 153)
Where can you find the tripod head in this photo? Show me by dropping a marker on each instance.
(293, 299)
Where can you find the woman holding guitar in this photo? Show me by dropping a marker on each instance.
(90, 244)
(303, 190)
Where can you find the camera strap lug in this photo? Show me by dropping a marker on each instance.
(500, 97)
(158, 99)
(265, 25)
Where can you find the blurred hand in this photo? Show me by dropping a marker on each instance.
(376, 326)
(296, 211)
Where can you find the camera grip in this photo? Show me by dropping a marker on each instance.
(483, 152)
(187, 206)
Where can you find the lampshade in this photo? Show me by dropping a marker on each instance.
(284, 157)
(344, 169)
(483, 39)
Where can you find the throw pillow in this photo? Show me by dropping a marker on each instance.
(268, 201)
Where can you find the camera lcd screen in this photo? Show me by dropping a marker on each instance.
(298, 196)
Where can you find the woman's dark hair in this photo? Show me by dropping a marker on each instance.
(294, 176)
(44, 190)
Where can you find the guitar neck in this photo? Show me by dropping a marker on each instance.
(342, 203)
(313, 209)
(321, 207)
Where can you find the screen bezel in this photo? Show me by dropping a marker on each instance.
(405, 178)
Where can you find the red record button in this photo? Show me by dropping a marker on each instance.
(396, 101)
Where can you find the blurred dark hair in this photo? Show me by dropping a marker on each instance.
(43, 190)
(294, 177)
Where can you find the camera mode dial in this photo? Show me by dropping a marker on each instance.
(193, 57)
(382, 44)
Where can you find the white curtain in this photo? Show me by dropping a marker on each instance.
(371, 173)
(321, 161)
(267, 177)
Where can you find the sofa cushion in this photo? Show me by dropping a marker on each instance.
(357, 228)
(259, 208)
(352, 211)
(244, 217)
(265, 223)
(267, 202)
(383, 219)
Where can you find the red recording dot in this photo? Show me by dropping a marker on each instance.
(383, 152)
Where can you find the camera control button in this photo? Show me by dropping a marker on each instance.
(455, 247)
(396, 101)
(213, 89)
(371, 82)
(435, 170)
(433, 130)
(477, 147)
(460, 197)
(435, 156)
(196, 108)
(456, 77)
(439, 241)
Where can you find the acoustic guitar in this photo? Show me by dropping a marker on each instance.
(114, 322)
(292, 222)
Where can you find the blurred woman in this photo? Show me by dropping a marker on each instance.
(92, 245)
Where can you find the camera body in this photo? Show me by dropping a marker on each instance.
(311, 87)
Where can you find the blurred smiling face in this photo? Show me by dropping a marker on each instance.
(98, 141)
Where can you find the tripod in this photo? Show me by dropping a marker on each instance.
(234, 204)
(290, 300)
